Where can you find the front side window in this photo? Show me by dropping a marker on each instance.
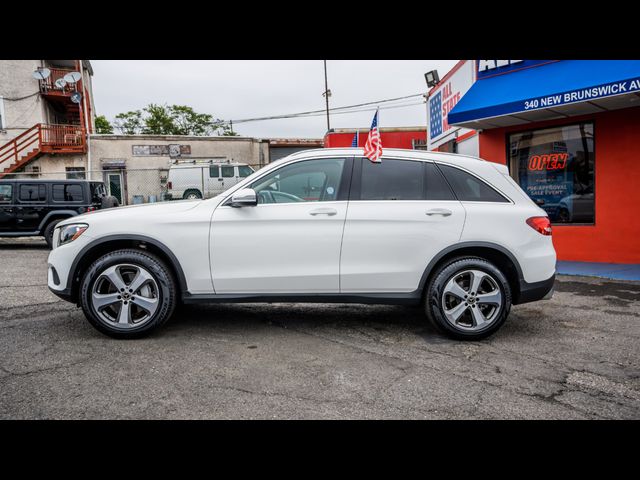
(555, 167)
(32, 192)
(6, 193)
(469, 188)
(66, 193)
(214, 171)
(306, 181)
(228, 172)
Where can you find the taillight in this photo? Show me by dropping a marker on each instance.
(169, 185)
(541, 224)
(91, 209)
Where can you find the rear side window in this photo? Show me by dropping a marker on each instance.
(392, 180)
(469, 188)
(6, 193)
(66, 193)
(32, 192)
(244, 171)
(227, 172)
(214, 171)
(435, 185)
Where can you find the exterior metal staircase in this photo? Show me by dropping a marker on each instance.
(39, 139)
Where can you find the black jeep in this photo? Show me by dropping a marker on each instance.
(31, 207)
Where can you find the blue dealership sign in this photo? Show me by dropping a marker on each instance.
(491, 68)
(524, 85)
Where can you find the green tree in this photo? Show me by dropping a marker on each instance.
(226, 131)
(129, 123)
(171, 120)
(188, 122)
(102, 125)
(158, 120)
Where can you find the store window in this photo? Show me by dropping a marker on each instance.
(555, 166)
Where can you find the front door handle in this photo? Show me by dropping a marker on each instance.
(323, 211)
(439, 211)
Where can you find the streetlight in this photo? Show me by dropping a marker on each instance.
(432, 78)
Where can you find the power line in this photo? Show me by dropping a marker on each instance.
(336, 110)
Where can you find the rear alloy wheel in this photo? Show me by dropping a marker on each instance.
(468, 298)
(128, 293)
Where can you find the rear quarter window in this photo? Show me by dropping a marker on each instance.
(469, 188)
(66, 192)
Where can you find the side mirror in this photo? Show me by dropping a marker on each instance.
(244, 198)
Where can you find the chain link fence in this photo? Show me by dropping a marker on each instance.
(129, 186)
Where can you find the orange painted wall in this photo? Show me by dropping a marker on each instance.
(615, 237)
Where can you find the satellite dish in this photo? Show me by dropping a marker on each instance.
(60, 83)
(72, 77)
(41, 73)
(76, 97)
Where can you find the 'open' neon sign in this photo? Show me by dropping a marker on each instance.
(548, 161)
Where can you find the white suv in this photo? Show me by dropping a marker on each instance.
(452, 232)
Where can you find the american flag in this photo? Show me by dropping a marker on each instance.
(435, 115)
(373, 145)
(354, 143)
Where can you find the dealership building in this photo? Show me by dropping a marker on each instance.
(568, 130)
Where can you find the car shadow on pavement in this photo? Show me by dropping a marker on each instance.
(372, 319)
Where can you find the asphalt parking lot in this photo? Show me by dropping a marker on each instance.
(573, 357)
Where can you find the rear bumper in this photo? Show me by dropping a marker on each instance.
(531, 292)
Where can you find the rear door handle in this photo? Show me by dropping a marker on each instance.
(439, 211)
(323, 211)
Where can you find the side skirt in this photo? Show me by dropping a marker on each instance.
(412, 298)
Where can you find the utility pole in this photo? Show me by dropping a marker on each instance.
(326, 94)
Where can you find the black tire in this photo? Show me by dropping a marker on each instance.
(191, 193)
(48, 231)
(166, 292)
(434, 299)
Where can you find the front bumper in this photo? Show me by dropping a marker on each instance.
(60, 263)
(532, 292)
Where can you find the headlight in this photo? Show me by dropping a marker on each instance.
(69, 233)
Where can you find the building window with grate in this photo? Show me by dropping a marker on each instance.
(75, 173)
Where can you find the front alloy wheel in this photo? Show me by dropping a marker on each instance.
(128, 293)
(125, 296)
